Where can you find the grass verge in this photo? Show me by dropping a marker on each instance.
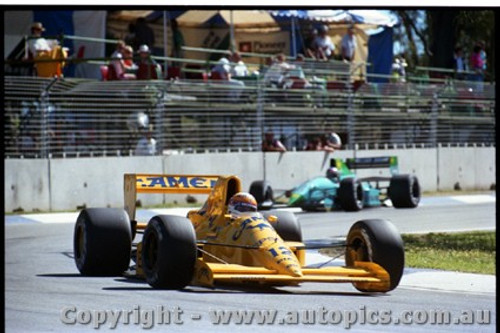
(470, 252)
(473, 252)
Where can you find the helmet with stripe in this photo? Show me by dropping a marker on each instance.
(242, 202)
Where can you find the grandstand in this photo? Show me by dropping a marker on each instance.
(191, 112)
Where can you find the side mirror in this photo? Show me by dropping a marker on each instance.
(288, 193)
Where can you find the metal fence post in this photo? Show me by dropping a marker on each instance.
(434, 120)
(350, 116)
(44, 109)
(260, 122)
(159, 111)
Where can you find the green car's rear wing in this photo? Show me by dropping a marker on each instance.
(346, 167)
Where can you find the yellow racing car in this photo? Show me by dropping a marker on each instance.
(226, 241)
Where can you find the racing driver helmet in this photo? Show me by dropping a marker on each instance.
(332, 173)
(242, 202)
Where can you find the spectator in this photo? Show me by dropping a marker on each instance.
(130, 38)
(483, 54)
(27, 144)
(309, 47)
(296, 70)
(147, 67)
(276, 73)
(222, 71)
(146, 146)
(117, 68)
(398, 69)
(144, 34)
(328, 142)
(37, 43)
(314, 144)
(460, 63)
(348, 45)
(323, 44)
(43, 49)
(271, 144)
(128, 61)
(476, 63)
(331, 142)
(238, 67)
(178, 40)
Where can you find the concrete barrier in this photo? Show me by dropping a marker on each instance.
(66, 184)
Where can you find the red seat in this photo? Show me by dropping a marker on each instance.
(357, 84)
(147, 72)
(297, 82)
(81, 52)
(104, 73)
(112, 74)
(335, 85)
(216, 76)
(173, 73)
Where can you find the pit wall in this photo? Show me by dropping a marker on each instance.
(69, 184)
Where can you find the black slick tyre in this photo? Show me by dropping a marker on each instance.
(169, 252)
(102, 242)
(350, 194)
(376, 241)
(404, 191)
(262, 192)
(287, 226)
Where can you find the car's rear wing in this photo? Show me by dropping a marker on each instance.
(378, 162)
(156, 183)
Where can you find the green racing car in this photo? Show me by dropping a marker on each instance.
(340, 188)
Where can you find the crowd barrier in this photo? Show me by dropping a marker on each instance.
(69, 184)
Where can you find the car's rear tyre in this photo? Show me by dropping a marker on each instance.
(262, 192)
(287, 226)
(169, 252)
(350, 194)
(404, 191)
(102, 241)
(376, 241)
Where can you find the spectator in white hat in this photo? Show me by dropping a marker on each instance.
(148, 68)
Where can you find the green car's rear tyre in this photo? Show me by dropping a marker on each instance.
(263, 193)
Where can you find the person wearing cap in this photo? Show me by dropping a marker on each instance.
(222, 72)
(36, 42)
(42, 50)
(146, 146)
(323, 44)
(348, 45)
(147, 67)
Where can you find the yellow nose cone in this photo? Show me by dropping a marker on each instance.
(283, 260)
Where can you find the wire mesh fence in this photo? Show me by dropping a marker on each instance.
(80, 117)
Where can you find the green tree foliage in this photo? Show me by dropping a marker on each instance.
(442, 30)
